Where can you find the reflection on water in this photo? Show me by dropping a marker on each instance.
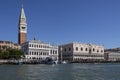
(60, 72)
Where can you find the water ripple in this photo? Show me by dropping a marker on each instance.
(60, 72)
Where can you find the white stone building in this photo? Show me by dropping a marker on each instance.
(112, 56)
(36, 49)
(76, 52)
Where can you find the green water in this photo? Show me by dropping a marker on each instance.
(60, 72)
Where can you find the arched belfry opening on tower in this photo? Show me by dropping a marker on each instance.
(22, 28)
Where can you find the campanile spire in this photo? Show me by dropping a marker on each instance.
(22, 27)
(22, 15)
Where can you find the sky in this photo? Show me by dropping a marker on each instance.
(63, 21)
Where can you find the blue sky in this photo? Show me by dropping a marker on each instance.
(63, 21)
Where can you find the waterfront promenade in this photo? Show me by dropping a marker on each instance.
(43, 62)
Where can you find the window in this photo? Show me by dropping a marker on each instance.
(86, 49)
(30, 53)
(37, 53)
(69, 49)
(90, 51)
(81, 49)
(101, 51)
(76, 48)
(55, 52)
(97, 50)
(93, 49)
(37, 46)
(29, 45)
(51, 51)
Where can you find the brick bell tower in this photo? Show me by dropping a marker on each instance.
(22, 28)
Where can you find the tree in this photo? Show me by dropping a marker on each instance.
(12, 54)
(16, 54)
(4, 55)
